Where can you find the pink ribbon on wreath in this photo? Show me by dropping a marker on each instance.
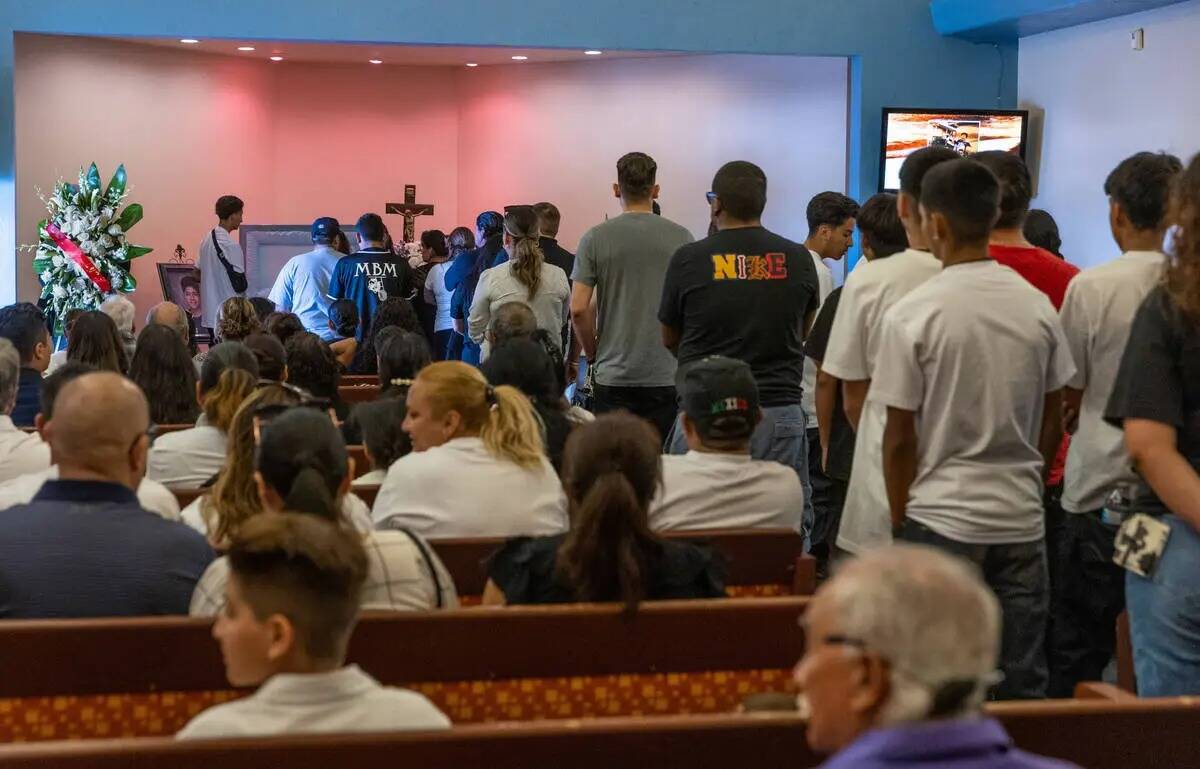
(76, 255)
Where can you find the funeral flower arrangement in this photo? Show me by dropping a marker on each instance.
(82, 251)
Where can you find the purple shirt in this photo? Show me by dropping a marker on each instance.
(977, 743)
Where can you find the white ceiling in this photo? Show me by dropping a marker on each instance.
(410, 55)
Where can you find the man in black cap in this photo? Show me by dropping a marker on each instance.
(716, 484)
(303, 284)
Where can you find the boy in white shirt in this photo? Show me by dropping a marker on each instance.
(291, 603)
(971, 369)
(853, 346)
(1088, 589)
(716, 485)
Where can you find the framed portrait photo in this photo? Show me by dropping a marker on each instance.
(181, 285)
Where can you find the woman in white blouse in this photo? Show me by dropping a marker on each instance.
(190, 458)
(302, 467)
(234, 498)
(477, 467)
(525, 277)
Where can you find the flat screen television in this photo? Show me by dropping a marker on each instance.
(966, 131)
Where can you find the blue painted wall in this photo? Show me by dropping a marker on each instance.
(1006, 20)
(896, 56)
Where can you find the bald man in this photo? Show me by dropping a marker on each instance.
(84, 547)
(172, 316)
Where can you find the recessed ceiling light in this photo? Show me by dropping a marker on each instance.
(472, 64)
(245, 48)
(593, 53)
(519, 58)
(188, 41)
(276, 58)
(375, 61)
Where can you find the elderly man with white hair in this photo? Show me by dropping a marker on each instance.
(902, 647)
(121, 311)
(20, 452)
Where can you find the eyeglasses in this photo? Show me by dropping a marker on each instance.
(710, 197)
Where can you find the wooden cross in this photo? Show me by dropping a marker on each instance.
(410, 209)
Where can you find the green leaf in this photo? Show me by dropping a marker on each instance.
(93, 177)
(116, 186)
(130, 284)
(130, 216)
(136, 251)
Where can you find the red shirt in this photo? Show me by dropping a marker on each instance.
(1045, 271)
(1050, 275)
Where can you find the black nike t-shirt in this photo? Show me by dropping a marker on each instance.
(367, 278)
(744, 293)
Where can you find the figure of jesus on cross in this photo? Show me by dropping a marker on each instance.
(410, 209)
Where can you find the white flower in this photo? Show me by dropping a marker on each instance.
(58, 291)
(57, 261)
(107, 241)
(45, 276)
(115, 230)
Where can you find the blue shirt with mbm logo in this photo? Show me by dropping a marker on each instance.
(368, 278)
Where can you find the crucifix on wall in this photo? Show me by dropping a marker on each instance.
(410, 209)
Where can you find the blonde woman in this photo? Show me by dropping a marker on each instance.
(525, 277)
(477, 469)
(234, 498)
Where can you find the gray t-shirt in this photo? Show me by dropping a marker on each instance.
(625, 259)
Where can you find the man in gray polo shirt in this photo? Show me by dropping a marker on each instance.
(621, 264)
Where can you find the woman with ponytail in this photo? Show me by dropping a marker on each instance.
(525, 277)
(478, 468)
(301, 466)
(189, 458)
(612, 471)
(234, 496)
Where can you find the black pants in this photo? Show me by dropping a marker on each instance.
(656, 405)
(441, 344)
(1016, 573)
(828, 499)
(1087, 594)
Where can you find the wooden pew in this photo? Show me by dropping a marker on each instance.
(1144, 734)
(754, 556)
(358, 393)
(148, 676)
(760, 561)
(164, 429)
(359, 379)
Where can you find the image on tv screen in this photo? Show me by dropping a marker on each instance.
(965, 133)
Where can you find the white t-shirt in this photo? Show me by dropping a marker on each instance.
(808, 397)
(302, 287)
(151, 495)
(870, 291)
(1097, 314)
(973, 352)
(345, 700)
(459, 489)
(499, 286)
(356, 511)
(187, 458)
(399, 578)
(437, 295)
(705, 490)
(215, 287)
(373, 478)
(20, 452)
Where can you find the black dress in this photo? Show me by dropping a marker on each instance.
(524, 569)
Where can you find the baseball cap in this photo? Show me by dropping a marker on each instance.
(720, 396)
(325, 228)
